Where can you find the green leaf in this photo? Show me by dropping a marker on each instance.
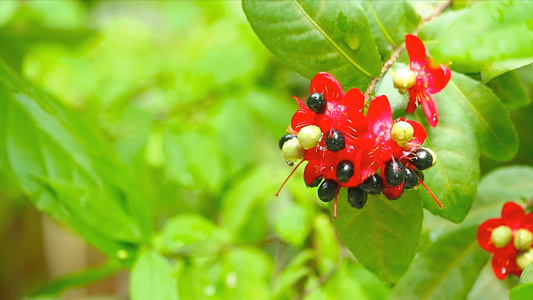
(521, 292)
(491, 124)
(455, 176)
(494, 69)
(488, 31)
(293, 225)
(527, 275)
(325, 244)
(318, 36)
(295, 271)
(447, 269)
(506, 184)
(78, 279)
(66, 169)
(488, 286)
(390, 22)
(511, 91)
(384, 234)
(152, 278)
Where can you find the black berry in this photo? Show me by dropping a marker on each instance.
(315, 182)
(327, 190)
(335, 141)
(394, 173)
(422, 159)
(372, 185)
(344, 170)
(411, 180)
(285, 138)
(316, 102)
(357, 197)
(420, 174)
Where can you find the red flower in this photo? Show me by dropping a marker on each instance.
(343, 112)
(504, 259)
(430, 79)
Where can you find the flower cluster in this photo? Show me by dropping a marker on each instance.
(422, 79)
(510, 238)
(368, 154)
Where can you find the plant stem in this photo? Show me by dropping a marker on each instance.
(439, 9)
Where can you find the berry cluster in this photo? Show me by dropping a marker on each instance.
(510, 238)
(367, 154)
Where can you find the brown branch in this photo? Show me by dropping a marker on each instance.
(388, 64)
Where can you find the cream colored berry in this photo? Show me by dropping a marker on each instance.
(501, 236)
(292, 150)
(524, 258)
(522, 239)
(402, 132)
(309, 136)
(404, 79)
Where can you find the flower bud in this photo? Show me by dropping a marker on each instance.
(501, 236)
(402, 132)
(522, 239)
(404, 79)
(524, 258)
(292, 150)
(309, 136)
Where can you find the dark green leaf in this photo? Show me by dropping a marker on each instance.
(521, 292)
(447, 269)
(390, 22)
(78, 279)
(384, 234)
(152, 278)
(454, 178)
(316, 36)
(494, 69)
(488, 31)
(491, 124)
(510, 90)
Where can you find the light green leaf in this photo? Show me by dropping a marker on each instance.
(527, 275)
(318, 36)
(488, 31)
(293, 225)
(491, 124)
(390, 22)
(521, 292)
(494, 69)
(152, 278)
(447, 269)
(384, 234)
(325, 244)
(511, 91)
(78, 279)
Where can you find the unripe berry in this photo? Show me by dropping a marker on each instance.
(404, 79)
(292, 150)
(523, 259)
(285, 138)
(501, 236)
(402, 132)
(309, 136)
(522, 239)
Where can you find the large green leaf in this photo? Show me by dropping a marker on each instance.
(384, 234)
(314, 36)
(491, 124)
(390, 22)
(511, 91)
(494, 69)
(66, 170)
(447, 269)
(488, 31)
(521, 292)
(152, 278)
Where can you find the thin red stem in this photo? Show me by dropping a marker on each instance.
(292, 172)
(430, 192)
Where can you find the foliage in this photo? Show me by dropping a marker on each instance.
(150, 129)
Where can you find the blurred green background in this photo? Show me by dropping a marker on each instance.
(194, 105)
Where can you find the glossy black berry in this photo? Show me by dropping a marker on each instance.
(285, 138)
(420, 174)
(335, 141)
(411, 179)
(327, 190)
(344, 170)
(422, 159)
(357, 197)
(372, 185)
(316, 182)
(316, 102)
(394, 173)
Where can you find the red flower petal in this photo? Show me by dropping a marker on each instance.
(504, 261)
(416, 50)
(440, 76)
(355, 99)
(512, 215)
(303, 117)
(412, 105)
(430, 110)
(484, 233)
(379, 115)
(312, 171)
(327, 84)
(527, 223)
